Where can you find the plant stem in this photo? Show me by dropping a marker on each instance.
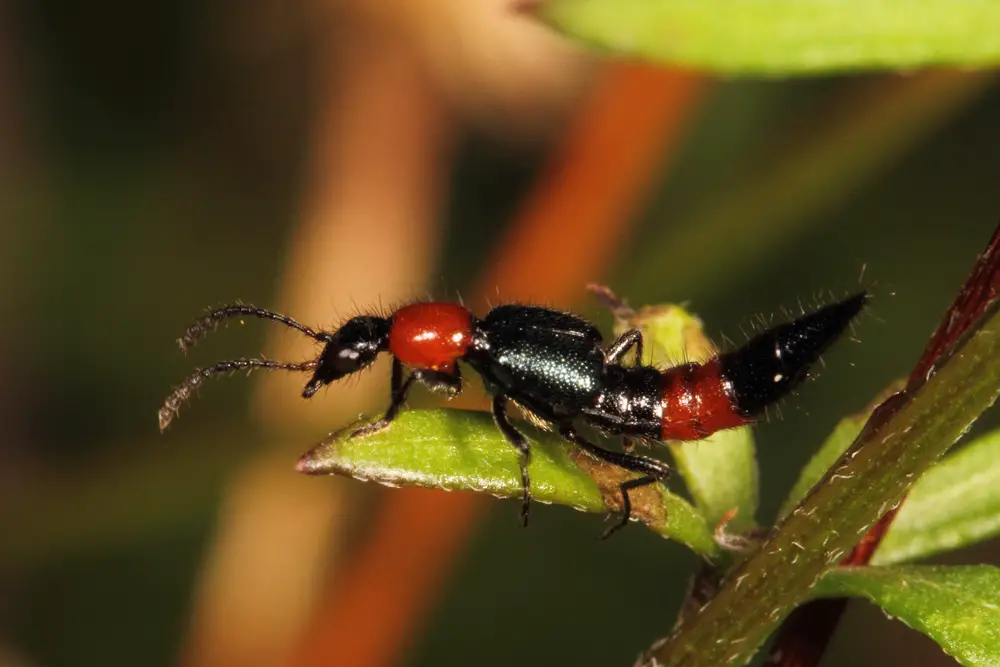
(803, 640)
(870, 478)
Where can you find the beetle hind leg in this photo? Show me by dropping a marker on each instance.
(652, 471)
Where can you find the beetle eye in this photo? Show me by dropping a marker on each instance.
(350, 360)
(339, 360)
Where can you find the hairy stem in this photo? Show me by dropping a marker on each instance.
(868, 480)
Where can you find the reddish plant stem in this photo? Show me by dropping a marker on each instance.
(804, 636)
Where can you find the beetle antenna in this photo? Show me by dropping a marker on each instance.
(183, 391)
(212, 320)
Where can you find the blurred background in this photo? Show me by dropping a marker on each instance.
(323, 157)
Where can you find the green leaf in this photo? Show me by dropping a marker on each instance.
(833, 448)
(463, 450)
(786, 37)
(721, 470)
(954, 504)
(958, 607)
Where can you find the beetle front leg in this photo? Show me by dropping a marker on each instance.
(398, 391)
(448, 383)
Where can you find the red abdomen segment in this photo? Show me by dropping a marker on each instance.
(697, 401)
(730, 390)
(430, 336)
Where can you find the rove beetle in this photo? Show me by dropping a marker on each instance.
(555, 366)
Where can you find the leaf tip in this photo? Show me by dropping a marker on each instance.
(311, 464)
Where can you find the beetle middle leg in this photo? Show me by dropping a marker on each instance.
(517, 439)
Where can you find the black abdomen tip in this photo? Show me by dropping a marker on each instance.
(847, 309)
(776, 361)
